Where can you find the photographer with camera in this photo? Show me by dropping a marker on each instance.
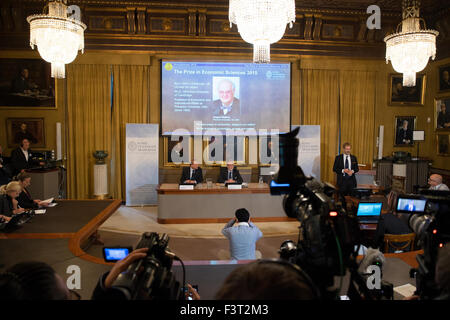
(107, 279)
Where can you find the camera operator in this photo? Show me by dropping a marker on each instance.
(101, 291)
(442, 275)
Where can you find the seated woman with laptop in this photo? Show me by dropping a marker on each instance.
(8, 200)
(25, 200)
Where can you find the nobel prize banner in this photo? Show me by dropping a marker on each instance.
(309, 150)
(141, 164)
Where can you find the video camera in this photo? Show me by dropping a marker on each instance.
(329, 238)
(431, 223)
(149, 278)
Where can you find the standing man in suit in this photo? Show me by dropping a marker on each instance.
(21, 158)
(230, 174)
(345, 167)
(227, 104)
(192, 174)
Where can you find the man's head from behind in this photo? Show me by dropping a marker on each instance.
(266, 280)
(226, 91)
(242, 215)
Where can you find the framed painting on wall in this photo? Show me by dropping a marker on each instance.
(179, 148)
(443, 144)
(442, 114)
(237, 153)
(444, 78)
(32, 129)
(404, 127)
(400, 95)
(26, 83)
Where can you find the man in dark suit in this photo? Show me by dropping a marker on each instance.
(345, 167)
(230, 174)
(404, 134)
(21, 158)
(192, 174)
(227, 105)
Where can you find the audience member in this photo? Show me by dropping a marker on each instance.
(21, 158)
(4, 172)
(192, 174)
(390, 223)
(8, 202)
(435, 182)
(33, 281)
(25, 200)
(243, 236)
(267, 280)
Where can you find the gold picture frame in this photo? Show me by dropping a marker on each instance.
(27, 84)
(237, 161)
(444, 78)
(443, 144)
(32, 129)
(442, 121)
(169, 145)
(406, 96)
(402, 137)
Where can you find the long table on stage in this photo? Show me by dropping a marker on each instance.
(217, 203)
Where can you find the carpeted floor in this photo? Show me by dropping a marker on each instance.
(202, 241)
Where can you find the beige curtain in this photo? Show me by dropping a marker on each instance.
(321, 107)
(88, 123)
(357, 113)
(130, 105)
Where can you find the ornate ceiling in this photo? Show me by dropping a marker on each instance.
(322, 27)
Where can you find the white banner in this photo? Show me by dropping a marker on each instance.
(142, 165)
(309, 150)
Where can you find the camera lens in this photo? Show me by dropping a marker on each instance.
(419, 223)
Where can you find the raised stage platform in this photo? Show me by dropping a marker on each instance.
(217, 204)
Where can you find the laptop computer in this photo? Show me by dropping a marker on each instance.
(369, 212)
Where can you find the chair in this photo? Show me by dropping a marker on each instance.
(399, 241)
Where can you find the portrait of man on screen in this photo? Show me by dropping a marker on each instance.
(226, 103)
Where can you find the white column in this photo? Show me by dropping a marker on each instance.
(100, 180)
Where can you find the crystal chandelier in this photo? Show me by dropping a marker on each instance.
(410, 48)
(57, 36)
(261, 22)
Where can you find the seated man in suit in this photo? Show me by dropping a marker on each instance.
(345, 167)
(21, 158)
(230, 174)
(192, 174)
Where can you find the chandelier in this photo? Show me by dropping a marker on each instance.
(261, 22)
(410, 48)
(57, 36)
